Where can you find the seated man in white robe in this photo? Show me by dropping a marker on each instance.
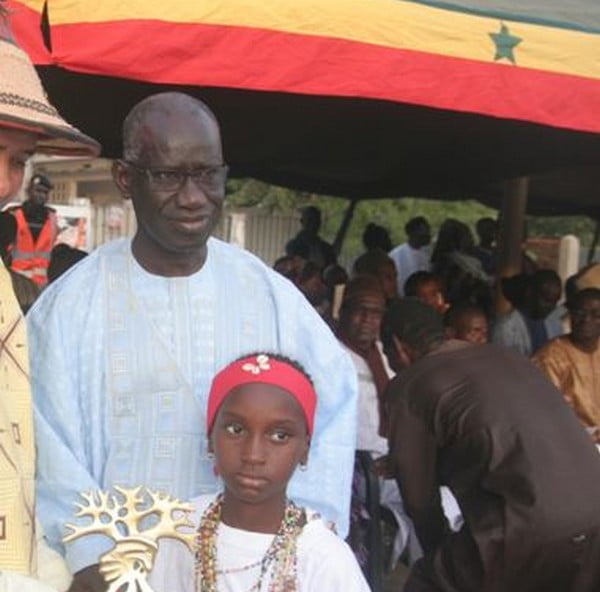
(362, 309)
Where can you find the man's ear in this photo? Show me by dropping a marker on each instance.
(122, 178)
(403, 351)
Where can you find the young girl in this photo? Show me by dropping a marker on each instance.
(251, 537)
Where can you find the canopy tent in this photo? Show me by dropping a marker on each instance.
(370, 98)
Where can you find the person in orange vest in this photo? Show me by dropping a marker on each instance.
(37, 229)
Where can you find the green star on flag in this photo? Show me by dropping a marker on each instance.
(505, 44)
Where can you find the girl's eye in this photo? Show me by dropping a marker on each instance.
(235, 429)
(280, 436)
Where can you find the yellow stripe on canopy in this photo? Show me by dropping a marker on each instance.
(389, 23)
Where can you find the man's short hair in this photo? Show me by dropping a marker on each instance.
(415, 323)
(543, 277)
(414, 223)
(358, 286)
(376, 237)
(484, 224)
(460, 311)
(371, 262)
(416, 280)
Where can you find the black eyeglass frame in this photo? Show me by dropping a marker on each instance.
(198, 176)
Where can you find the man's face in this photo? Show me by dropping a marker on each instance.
(388, 276)
(181, 220)
(585, 321)
(360, 321)
(310, 221)
(420, 236)
(314, 289)
(472, 327)
(430, 292)
(38, 194)
(259, 438)
(545, 299)
(15, 148)
(487, 231)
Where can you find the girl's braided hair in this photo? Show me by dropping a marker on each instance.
(281, 358)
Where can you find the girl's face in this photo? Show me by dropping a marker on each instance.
(259, 438)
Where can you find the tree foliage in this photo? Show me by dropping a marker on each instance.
(390, 213)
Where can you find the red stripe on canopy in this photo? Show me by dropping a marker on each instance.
(257, 59)
(25, 24)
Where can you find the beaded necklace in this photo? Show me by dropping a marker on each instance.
(281, 554)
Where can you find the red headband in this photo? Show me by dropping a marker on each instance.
(266, 370)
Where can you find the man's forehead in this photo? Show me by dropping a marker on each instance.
(588, 303)
(421, 227)
(165, 127)
(474, 318)
(430, 283)
(551, 289)
(367, 300)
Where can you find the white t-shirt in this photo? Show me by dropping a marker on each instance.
(407, 261)
(367, 437)
(324, 561)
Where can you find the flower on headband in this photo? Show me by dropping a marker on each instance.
(262, 369)
(262, 364)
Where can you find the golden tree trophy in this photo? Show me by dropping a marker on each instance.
(134, 519)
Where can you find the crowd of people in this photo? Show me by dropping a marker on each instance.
(448, 291)
(174, 361)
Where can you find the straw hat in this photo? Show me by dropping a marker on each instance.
(24, 105)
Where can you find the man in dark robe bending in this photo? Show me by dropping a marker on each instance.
(486, 423)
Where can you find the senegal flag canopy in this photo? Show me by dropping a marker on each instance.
(354, 97)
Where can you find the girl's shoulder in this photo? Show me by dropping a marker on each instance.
(325, 561)
(200, 504)
(318, 532)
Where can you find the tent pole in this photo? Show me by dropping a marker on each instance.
(594, 245)
(510, 235)
(343, 229)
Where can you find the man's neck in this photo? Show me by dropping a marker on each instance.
(32, 208)
(362, 350)
(168, 264)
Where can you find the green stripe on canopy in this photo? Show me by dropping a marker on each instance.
(579, 15)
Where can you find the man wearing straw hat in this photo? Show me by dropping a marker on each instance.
(28, 124)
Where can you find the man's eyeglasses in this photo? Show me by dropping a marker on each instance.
(211, 178)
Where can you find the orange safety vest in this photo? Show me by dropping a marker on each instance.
(29, 257)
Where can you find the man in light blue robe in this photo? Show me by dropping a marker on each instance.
(124, 345)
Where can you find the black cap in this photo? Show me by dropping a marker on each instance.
(42, 180)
